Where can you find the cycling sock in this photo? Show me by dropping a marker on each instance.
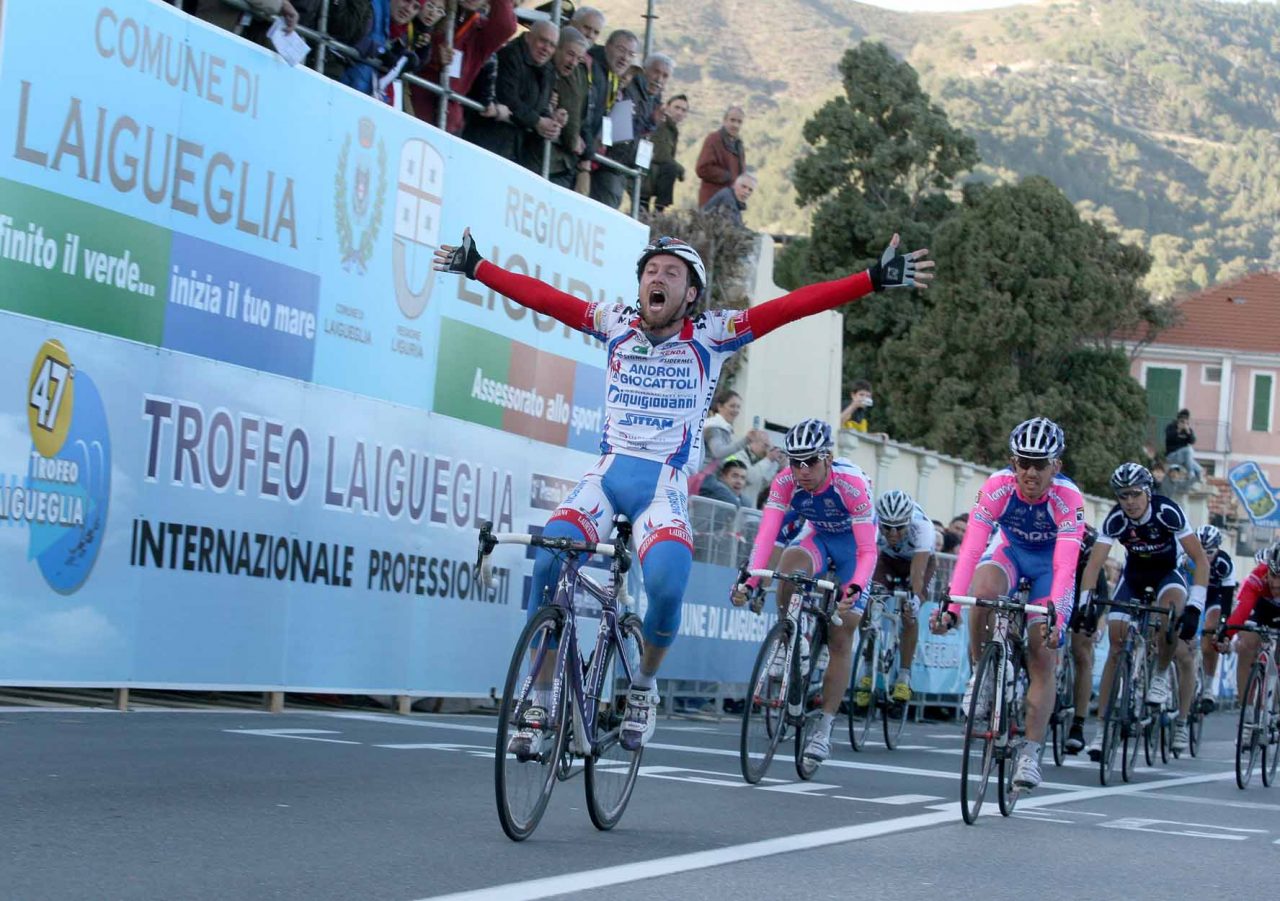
(827, 720)
(1077, 721)
(644, 681)
(1031, 748)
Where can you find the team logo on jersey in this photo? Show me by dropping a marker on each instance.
(357, 211)
(419, 204)
(1079, 514)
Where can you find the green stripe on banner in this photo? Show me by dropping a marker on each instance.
(471, 374)
(73, 262)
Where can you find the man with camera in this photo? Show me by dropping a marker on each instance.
(1178, 440)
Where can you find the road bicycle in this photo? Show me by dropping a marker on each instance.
(1129, 719)
(996, 718)
(785, 682)
(576, 703)
(1258, 729)
(877, 666)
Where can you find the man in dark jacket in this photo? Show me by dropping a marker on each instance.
(665, 171)
(525, 82)
(605, 67)
(571, 106)
(645, 94)
(730, 202)
(727, 484)
(1178, 439)
(723, 158)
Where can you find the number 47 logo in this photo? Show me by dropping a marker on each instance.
(47, 391)
(49, 398)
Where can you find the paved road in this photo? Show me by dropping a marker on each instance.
(235, 804)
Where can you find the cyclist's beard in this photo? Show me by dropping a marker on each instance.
(653, 326)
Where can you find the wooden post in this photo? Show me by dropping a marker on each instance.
(273, 701)
(122, 700)
(404, 705)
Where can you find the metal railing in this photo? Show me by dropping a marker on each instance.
(323, 43)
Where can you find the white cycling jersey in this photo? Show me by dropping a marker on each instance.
(920, 535)
(656, 398)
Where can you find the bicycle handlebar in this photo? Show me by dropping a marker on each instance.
(1264, 631)
(800, 580)
(1000, 603)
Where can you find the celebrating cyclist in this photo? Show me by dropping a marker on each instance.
(1151, 528)
(1039, 514)
(1084, 635)
(905, 541)
(1218, 599)
(1258, 603)
(834, 497)
(664, 359)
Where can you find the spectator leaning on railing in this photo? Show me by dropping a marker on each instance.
(571, 98)
(526, 80)
(477, 37)
(215, 12)
(606, 67)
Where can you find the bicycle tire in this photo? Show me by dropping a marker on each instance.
(1271, 744)
(1250, 715)
(894, 715)
(764, 710)
(1137, 732)
(1065, 701)
(810, 715)
(609, 787)
(519, 820)
(979, 735)
(864, 665)
(1154, 716)
(1113, 726)
(1014, 722)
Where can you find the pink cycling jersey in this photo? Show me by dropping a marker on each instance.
(1054, 521)
(841, 506)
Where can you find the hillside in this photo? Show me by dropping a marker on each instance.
(1158, 117)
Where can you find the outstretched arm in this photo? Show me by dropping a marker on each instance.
(893, 270)
(523, 289)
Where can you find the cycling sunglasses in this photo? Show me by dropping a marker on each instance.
(806, 462)
(1031, 463)
(1129, 494)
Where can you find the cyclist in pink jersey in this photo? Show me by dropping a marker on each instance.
(1037, 516)
(664, 358)
(834, 497)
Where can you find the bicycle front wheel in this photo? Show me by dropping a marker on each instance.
(979, 749)
(1115, 723)
(1271, 741)
(1249, 735)
(525, 773)
(810, 710)
(863, 683)
(611, 769)
(894, 715)
(1013, 724)
(764, 713)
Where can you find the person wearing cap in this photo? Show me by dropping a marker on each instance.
(664, 359)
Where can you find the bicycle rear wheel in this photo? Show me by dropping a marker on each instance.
(1115, 724)
(979, 749)
(1249, 735)
(524, 783)
(1271, 742)
(611, 769)
(894, 715)
(764, 713)
(1066, 684)
(864, 671)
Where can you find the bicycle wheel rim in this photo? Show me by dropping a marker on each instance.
(764, 710)
(1271, 746)
(523, 788)
(1113, 725)
(1250, 715)
(1061, 717)
(864, 666)
(1015, 717)
(894, 717)
(611, 769)
(977, 754)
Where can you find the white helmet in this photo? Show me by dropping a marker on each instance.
(681, 250)
(808, 437)
(895, 508)
(1037, 439)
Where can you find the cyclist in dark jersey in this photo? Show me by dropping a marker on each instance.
(1217, 605)
(1084, 636)
(1151, 528)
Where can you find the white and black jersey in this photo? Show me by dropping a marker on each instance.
(1151, 544)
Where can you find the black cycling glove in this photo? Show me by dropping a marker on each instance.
(893, 270)
(465, 258)
(1188, 622)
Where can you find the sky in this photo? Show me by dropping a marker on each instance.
(961, 5)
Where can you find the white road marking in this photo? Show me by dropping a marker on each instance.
(893, 800)
(300, 734)
(1215, 802)
(681, 863)
(1196, 830)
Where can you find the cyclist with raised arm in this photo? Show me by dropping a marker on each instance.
(1084, 635)
(1037, 515)
(834, 497)
(1218, 600)
(1258, 603)
(905, 540)
(1150, 527)
(664, 359)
